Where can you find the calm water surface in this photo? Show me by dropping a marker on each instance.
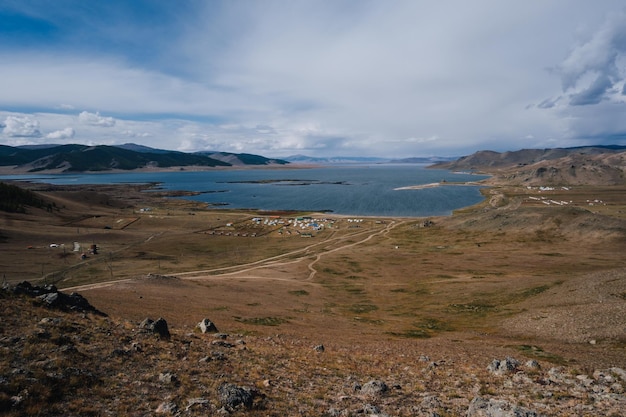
(363, 190)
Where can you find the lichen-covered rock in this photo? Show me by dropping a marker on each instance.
(158, 327)
(374, 388)
(509, 365)
(482, 407)
(233, 396)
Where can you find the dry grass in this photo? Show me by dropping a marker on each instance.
(491, 281)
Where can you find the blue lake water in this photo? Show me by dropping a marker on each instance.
(360, 190)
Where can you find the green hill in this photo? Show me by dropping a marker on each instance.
(80, 158)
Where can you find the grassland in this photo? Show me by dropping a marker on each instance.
(518, 275)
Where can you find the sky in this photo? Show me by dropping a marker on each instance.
(391, 79)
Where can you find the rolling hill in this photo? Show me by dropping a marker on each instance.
(82, 158)
(592, 165)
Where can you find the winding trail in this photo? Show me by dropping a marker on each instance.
(316, 250)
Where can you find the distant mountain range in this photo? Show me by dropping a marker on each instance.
(585, 165)
(482, 160)
(82, 158)
(303, 159)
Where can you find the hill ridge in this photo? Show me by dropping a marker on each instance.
(85, 158)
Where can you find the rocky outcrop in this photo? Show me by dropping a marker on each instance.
(50, 296)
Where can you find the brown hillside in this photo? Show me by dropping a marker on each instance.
(419, 306)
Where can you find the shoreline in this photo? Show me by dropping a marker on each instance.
(20, 170)
(440, 184)
(153, 189)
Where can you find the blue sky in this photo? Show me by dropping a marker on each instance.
(326, 78)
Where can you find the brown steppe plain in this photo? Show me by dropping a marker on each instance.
(424, 304)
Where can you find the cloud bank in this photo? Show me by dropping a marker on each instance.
(330, 78)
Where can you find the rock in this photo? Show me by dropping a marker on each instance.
(215, 356)
(166, 408)
(119, 353)
(51, 299)
(50, 296)
(146, 324)
(619, 372)
(192, 402)
(482, 407)
(207, 326)
(319, 348)
(50, 321)
(168, 378)
(374, 388)
(222, 343)
(508, 365)
(431, 403)
(25, 288)
(232, 396)
(532, 364)
(158, 327)
(372, 411)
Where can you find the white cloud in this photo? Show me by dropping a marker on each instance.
(133, 134)
(67, 133)
(94, 119)
(362, 77)
(598, 53)
(21, 127)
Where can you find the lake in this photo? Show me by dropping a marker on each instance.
(359, 190)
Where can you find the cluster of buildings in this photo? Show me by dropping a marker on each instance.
(303, 226)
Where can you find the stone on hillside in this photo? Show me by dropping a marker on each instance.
(509, 365)
(51, 299)
(50, 296)
(619, 372)
(166, 408)
(207, 326)
(194, 402)
(482, 407)
(232, 396)
(319, 348)
(168, 378)
(222, 343)
(146, 324)
(374, 388)
(158, 327)
(372, 411)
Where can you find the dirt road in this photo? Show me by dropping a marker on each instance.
(314, 251)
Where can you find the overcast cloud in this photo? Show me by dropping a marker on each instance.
(326, 78)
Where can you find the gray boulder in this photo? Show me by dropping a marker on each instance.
(509, 365)
(159, 327)
(207, 326)
(482, 407)
(374, 388)
(51, 297)
(233, 396)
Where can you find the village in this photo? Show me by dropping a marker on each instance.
(279, 226)
(558, 191)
